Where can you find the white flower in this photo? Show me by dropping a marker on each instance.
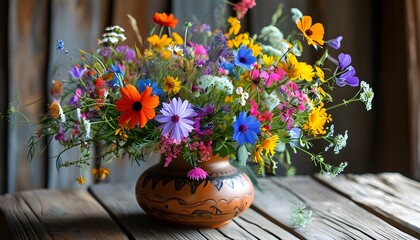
(87, 128)
(270, 101)
(239, 90)
(296, 14)
(61, 112)
(367, 95)
(79, 114)
(205, 81)
(340, 142)
(273, 35)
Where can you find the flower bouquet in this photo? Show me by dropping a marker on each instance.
(203, 92)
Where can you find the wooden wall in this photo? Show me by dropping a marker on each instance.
(29, 29)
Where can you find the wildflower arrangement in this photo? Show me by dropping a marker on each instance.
(201, 92)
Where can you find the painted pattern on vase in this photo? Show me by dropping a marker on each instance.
(170, 197)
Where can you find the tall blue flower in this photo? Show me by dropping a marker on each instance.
(142, 84)
(348, 78)
(118, 76)
(244, 58)
(246, 129)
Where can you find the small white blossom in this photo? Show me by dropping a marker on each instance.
(340, 142)
(224, 84)
(367, 95)
(87, 128)
(296, 14)
(270, 101)
(273, 35)
(79, 114)
(300, 217)
(239, 90)
(61, 112)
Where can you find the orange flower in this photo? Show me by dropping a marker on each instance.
(165, 20)
(136, 107)
(313, 34)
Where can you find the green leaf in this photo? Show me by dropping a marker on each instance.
(242, 155)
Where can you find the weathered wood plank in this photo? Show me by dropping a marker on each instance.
(261, 227)
(18, 221)
(120, 201)
(3, 96)
(334, 216)
(28, 50)
(72, 214)
(391, 196)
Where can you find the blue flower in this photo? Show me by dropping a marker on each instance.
(118, 76)
(142, 84)
(59, 46)
(348, 78)
(336, 42)
(246, 129)
(244, 58)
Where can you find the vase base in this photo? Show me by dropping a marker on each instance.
(192, 225)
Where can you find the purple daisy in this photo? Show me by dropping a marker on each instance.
(197, 174)
(177, 119)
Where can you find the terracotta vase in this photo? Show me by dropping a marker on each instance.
(170, 197)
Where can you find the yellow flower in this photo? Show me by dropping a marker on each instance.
(314, 34)
(268, 145)
(268, 60)
(229, 99)
(122, 133)
(297, 70)
(320, 73)
(235, 26)
(177, 39)
(244, 39)
(159, 43)
(80, 180)
(317, 119)
(321, 90)
(100, 172)
(171, 85)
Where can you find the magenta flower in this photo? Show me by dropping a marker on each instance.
(177, 119)
(197, 174)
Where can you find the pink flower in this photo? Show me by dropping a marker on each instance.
(197, 174)
(275, 76)
(254, 108)
(242, 7)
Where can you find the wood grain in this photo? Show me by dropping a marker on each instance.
(28, 59)
(125, 209)
(18, 221)
(334, 216)
(72, 214)
(391, 196)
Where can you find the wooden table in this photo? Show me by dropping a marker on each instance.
(383, 206)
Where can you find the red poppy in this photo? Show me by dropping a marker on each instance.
(165, 20)
(136, 107)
